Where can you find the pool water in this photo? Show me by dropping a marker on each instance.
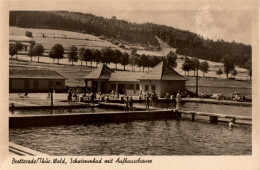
(209, 108)
(60, 111)
(157, 137)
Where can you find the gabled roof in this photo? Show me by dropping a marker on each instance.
(162, 72)
(34, 73)
(101, 73)
(126, 76)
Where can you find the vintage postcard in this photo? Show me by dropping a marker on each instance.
(129, 84)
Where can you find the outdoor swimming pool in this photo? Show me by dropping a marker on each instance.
(157, 137)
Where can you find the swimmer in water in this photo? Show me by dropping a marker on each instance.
(232, 124)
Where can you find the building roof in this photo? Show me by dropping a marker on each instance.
(34, 73)
(126, 76)
(101, 73)
(162, 72)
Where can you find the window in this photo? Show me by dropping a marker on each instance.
(146, 87)
(130, 86)
(153, 87)
(137, 87)
(58, 83)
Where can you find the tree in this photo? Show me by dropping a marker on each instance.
(204, 67)
(88, 56)
(195, 64)
(234, 72)
(38, 50)
(144, 60)
(219, 72)
(107, 55)
(132, 61)
(81, 54)
(187, 65)
(73, 54)
(96, 56)
(12, 50)
(117, 57)
(56, 52)
(154, 60)
(229, 64)
(171, 59)
(124, 59)
(132, 58)
(31, 51)
(19, 47)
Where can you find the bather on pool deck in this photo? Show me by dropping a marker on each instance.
(69, 96)
(178, 101)
(147, 99)
(167, 97)
(131, 104)
(154, 98)
(126, 104)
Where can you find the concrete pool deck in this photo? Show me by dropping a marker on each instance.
(140, 113)
(40, 99)
(18, 150)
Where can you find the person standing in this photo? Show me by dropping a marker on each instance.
(69, 96)
(167, 99)
(92, 99)
(131, 104)
(147, 100)
(178, 101)
(126, 104)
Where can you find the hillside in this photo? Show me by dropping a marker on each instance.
(93, 42)
(126, 33)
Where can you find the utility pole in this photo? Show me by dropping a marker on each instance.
(197, 80)
(52, 96)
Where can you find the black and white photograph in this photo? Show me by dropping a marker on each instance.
(131, 80)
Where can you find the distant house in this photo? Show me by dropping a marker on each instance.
(163, 79)
(35, 80)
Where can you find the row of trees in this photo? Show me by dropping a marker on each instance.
(227, 60)
(105, 55)
(108, 55)
(194, 64)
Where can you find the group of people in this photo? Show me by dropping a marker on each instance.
(129, 104)
(237, 97)
(150, 98)
(75, 95)
(178, 100)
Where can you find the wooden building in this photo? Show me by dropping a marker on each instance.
(35, 80)
(163, 79)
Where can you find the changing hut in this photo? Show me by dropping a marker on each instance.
(163, 79)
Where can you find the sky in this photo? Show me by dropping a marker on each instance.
(227, 20)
